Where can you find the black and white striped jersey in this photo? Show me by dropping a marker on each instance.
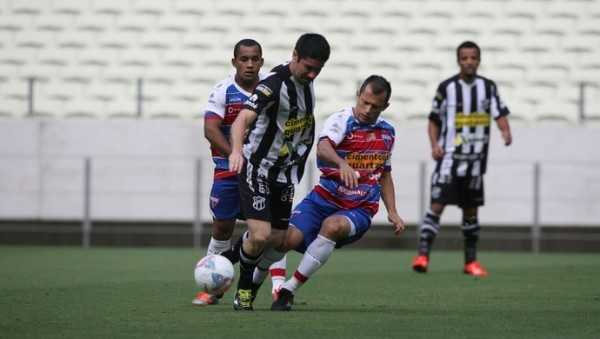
(279, 141)
(464, 111)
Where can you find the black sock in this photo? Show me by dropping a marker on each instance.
(247, 265)
(425, 243)
(233, 254)
(470, 230)
(428, 232)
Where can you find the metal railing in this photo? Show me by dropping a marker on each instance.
(582, 102)
(199, 218)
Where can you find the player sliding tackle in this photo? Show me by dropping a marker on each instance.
(354, 157)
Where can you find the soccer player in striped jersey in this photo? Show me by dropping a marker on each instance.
(459, 133)
(353, 154)
(270, 160)
(224, 104)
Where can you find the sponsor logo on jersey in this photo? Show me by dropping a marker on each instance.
(366, 161)
(258, 203)
(347, 191)
(293, 126)
(264, 90)
(336, 128)
(468, 140)
(485, 103)
(214, 201)
(252, 101)
(472, 120)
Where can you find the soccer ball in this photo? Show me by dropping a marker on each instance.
(214, 274)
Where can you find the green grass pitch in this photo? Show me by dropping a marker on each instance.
(67, 292)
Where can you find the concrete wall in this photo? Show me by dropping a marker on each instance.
(144, 170)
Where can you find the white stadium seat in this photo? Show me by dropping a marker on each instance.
(176, 23)
(135, 22)
(94, 23)
(159, 41)
(52, 23)
(191, 8)
(12, 24)
(152, 7)
(28, 7)
(111, 7)
(75, 40)
(118, 40)
(31, 38)
(188, 44)
(70, 7)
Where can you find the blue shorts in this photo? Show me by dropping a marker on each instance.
(225, 199)
(308, 216)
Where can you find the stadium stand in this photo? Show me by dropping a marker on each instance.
(535, 49)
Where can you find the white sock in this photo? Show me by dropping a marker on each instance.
(218, 246)
(316, 255)
(278, 273)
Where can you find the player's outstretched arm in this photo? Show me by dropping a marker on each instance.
(238, 128)
(504, 127)
(388, 195)
(327, 153)
(214, 135)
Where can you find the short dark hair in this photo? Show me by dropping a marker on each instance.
(467, 44)
(312, 45)
(246, 43)
(378, 85)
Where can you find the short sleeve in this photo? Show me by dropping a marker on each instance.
(438, 105)
(334, 128)
(387, 166)
(497, 107)
(264, 95)
(216, 102)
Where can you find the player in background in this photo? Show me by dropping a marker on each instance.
(459, 133)
(224, 104)
(353, 155)
(279, 115)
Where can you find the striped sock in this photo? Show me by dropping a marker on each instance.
(429, 230)
(316, 255)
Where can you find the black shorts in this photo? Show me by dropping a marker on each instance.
(462, 191)
(265, 200)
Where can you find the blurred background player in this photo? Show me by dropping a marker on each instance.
(280, 115)
(353, 155)
(224, 104)
(459, 133)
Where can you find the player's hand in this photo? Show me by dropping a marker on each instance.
(348, 175)
(437, 152)
(236, 161)
(507, 136)
(398, 223)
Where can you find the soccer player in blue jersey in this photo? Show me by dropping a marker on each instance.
(353, 154)
(224, 103)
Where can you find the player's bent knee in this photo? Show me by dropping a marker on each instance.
(259, 238)
(335, 227)
(292, 240)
